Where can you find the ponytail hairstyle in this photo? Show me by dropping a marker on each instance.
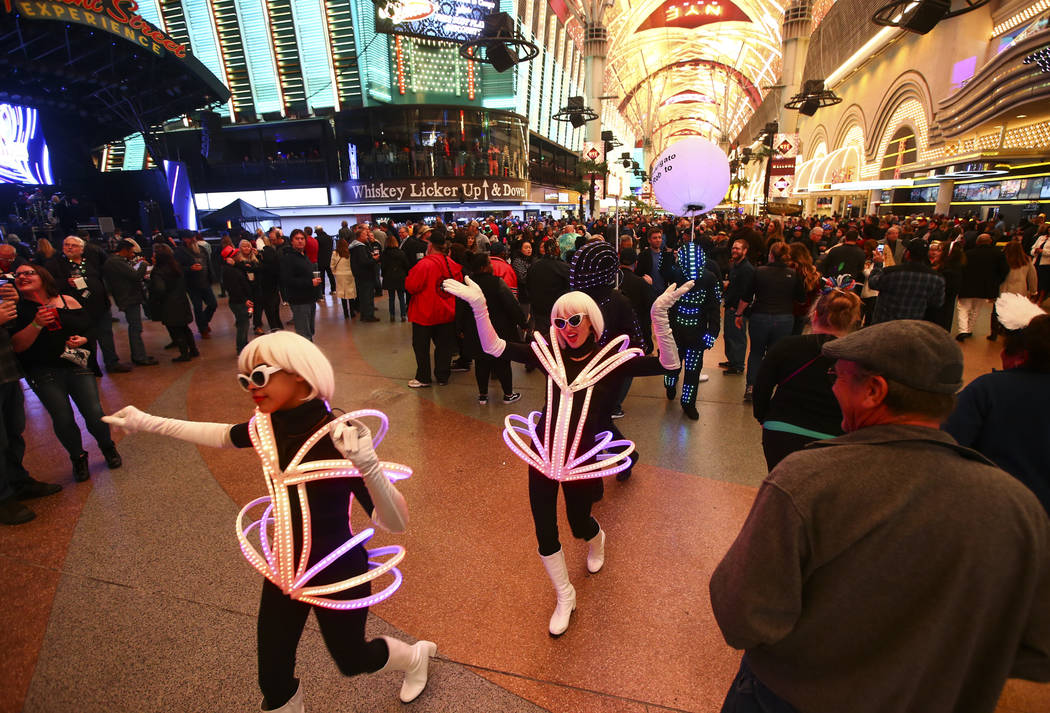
(837, 310)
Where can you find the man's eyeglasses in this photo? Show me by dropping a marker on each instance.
(573, 321)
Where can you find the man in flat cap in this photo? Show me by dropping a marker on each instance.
(889, 569)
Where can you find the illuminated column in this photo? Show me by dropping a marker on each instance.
(944, 197)
(874, 196)
(798, 24)
(595, 50)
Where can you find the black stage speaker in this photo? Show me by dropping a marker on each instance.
(577, 120)
(809, 106)
(496, 26)
(922, 18)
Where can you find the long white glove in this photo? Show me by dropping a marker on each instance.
(213, 435)
(662, 325)
(470, 293)
(354, 441)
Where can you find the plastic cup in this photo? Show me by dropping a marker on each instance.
(55, 325)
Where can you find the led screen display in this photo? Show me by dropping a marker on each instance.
(454, 20)
(178, 180)
(24, 156)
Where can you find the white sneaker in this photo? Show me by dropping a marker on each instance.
(703, 378)
(417, 384)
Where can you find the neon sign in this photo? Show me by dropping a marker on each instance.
(24, 156)
(690, 14)
(459, 21)
(118, 17)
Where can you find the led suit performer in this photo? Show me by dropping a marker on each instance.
(694, 323)
(315, 465)
(570, 442)
(595, 271)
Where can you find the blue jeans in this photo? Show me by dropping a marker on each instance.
(12, 446)
(366, 299)
(242, 322)
(735, 339)
(749, 695)
(400, 298)
(204, 306)
(765, 330)
(303, 319)
(54, 386)
(133, 314)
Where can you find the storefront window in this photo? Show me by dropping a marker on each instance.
(437, 142)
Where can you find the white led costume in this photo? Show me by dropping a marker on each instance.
(275, 557)
(553, 455)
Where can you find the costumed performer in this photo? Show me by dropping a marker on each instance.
(694, 322)
(571, 440)
(315, 465)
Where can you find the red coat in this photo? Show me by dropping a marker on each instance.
(505, 272)
(312, 247)
(428, 305)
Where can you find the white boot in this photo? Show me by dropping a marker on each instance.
(596, 552)
(294, 704)
(414, 661)
(559, 574)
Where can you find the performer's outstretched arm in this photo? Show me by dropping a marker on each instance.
(470, 293)
(213, 435)
(662, 325)
(354, 441)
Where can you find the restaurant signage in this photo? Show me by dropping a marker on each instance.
(117, 17)
(433, 190)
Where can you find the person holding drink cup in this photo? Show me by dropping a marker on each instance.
(48, 338)
(299, 280)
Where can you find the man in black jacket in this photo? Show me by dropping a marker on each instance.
(324, 257)
(195, 261)
(415, 246)
(656, 264)
(546, 281)
(363, 265)
(123, 275)
(845, 259)
(982, 274)
(739, 283)
(299, 283)
(638, 292)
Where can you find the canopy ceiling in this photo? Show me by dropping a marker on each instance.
(691, 67)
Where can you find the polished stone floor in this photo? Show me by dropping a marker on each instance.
(129, 592)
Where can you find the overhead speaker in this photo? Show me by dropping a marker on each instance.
(500, 57)
(575, 103)
(607, 136)
(577, 120)
(925, 15)
(809, 106)
(497, 25)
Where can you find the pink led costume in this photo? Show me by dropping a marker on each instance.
(553, 459)
(275, 557)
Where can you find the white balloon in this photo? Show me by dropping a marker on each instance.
(691, 176)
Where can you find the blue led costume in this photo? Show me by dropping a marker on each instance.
(695, 321)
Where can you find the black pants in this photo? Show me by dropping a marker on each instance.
(269, 303)
(182, 335)
(749, 695)
(13, 474)
(444, 338)
(486, 365)
(778, 445)
(280, 626)
(543, 499)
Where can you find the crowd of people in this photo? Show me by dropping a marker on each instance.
(847, 333)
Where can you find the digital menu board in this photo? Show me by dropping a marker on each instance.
(24, 156)
(453, 20)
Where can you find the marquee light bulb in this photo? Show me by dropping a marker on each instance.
(275, 556)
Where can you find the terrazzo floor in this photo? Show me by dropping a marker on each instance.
(129, 592)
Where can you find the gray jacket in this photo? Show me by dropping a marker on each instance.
(124, 282)
(889, 569)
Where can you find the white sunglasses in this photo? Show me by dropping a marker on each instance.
(259, 377)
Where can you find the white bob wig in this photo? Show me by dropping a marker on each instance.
(294, 354)
(574, 303)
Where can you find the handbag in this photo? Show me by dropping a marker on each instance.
(76, 356)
